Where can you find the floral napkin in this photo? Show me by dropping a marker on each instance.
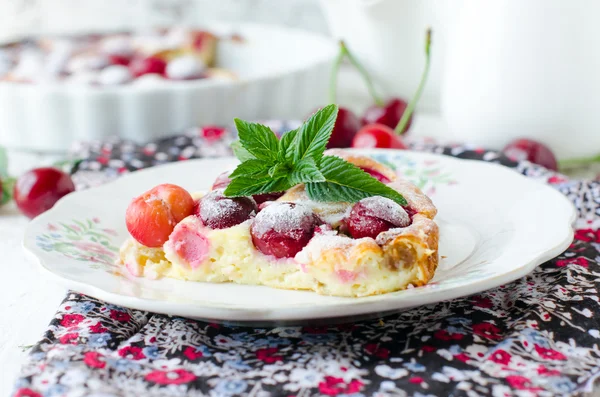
(538, 336)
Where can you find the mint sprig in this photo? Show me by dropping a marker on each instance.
(271, 165)
(346, 182)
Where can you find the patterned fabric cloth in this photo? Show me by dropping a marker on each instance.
(538, 336)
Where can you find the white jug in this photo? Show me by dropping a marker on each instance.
(525, 69)
(388, 37)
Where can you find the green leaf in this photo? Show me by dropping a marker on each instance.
(7, 190)
(286, 150)
(306, 171)
(348, 183)
(257, 139)
(3, 163)
(253, 167)
(312, 137)
(241, 153)
(248, 186)
(279, 170)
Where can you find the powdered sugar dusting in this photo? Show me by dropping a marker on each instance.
(386, 209)
(322, 242)
(211, 207)
(386, 236)
(281, 217)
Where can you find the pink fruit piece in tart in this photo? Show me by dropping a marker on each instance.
(369, 247)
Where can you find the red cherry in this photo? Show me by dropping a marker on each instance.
(283, 229)
(219, 212)
(374, 215)
(377, 175)
(346, 126)
(38, 190)
(533, 151)
(152, 216)
(142, 66)
(119, 60)
(263, 198)
(389, 114)
(377, 136)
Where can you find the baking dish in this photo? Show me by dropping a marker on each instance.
(281, 73)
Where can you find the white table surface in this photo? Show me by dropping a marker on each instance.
(29, 299)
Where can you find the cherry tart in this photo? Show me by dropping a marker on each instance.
(370, 247)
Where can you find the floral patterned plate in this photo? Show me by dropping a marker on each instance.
(495, 226)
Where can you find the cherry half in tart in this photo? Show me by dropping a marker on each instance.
(289, 241)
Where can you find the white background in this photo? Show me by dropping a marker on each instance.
(26, 16)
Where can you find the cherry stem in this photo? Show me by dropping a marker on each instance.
(411, 106)
(364, 74)
(578, 161)
(334, 75)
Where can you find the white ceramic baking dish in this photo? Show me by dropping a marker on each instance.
(282, 74)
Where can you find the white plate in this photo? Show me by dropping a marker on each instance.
(274, 83)
(495, 226)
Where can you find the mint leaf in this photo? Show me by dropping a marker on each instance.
(3, 163)
(306, 171)
(257, 139)
(286, 151)
(312, 137)
(279, 170)
(241, 153)
(253, 167)
(248, 186)
(346, 182)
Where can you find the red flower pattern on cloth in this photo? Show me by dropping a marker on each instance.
(487, 330)
(500, 356)
(375, 350)
(120, 316)
(547, 372)
(71, 320)
(175, 377)
(580, 261)
(521, 383)
(132, 352)
(333, 386)
(482, 302)
(268, 355)
(549, 354)
(191, 353)
(98, 328)
(444, 335)
(94, 360)
(462, 357)
(588, 235)
(557, 179)
(70, 338)
(27, 392)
